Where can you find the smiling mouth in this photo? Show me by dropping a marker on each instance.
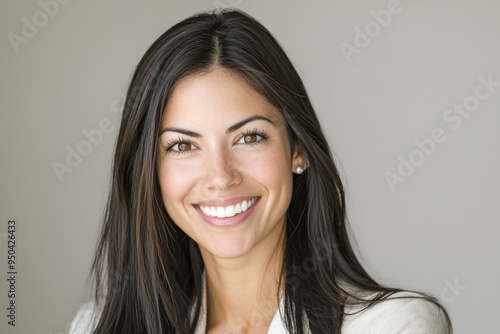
(228, 211)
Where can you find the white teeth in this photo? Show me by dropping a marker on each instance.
(221, 213)
(237, 208)
(229, 211)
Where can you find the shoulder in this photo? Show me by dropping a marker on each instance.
(409, 315)
(85, 320)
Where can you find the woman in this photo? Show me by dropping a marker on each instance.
(227, 213)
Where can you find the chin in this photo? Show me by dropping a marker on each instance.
(228, 248)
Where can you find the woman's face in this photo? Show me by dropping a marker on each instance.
(225, 165)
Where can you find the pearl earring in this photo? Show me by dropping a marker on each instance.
(299, 170)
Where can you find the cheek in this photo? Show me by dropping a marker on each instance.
(272, 169)
(176, 179)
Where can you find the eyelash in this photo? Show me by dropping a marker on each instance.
(171, 143)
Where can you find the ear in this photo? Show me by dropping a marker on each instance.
(299, 159)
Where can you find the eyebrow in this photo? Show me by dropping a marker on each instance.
(230, 129)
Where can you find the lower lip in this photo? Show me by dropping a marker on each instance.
(229, 221)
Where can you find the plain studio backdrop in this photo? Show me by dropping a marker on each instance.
(408, 93)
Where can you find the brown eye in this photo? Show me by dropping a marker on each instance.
(250, 138)
(184, 146)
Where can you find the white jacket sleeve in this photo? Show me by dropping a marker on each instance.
(85, 320)
(398, 316)
(416, 316)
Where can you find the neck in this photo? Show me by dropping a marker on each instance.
(242, 292)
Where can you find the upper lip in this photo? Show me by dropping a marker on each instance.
(225, 201)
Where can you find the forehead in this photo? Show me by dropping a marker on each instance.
(218, 96)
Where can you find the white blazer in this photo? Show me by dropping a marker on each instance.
(392, 316)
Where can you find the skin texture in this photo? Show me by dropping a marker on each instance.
(242, 261)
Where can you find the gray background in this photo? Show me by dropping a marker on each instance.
(436, 230)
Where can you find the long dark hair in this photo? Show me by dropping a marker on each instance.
(147, 272)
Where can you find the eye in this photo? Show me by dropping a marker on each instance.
(180, 146)
(252, 138)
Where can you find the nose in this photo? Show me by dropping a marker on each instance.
(221, 171)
